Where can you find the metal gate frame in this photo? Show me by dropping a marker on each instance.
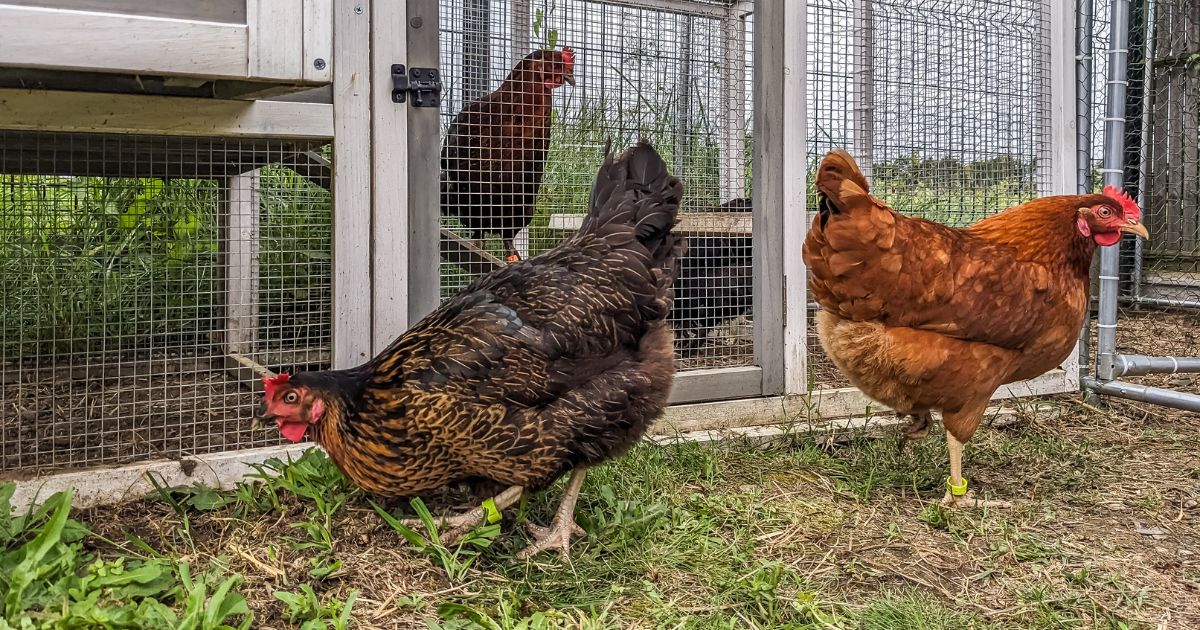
(1111, 365)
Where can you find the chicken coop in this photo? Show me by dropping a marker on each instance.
(206, 192)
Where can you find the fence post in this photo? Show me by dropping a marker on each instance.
(351, 183)
(424, 169)
(780, 37)
(389, 188)
(863, 114)
(732, 116)
(1114, 175)
(1084, 34)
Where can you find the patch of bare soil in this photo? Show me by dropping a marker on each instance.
(120, 410)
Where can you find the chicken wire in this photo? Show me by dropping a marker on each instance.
(141, 276)
(678, 73)
(945, 105)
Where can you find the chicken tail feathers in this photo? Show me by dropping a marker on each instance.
(635, 190)
(840, 183)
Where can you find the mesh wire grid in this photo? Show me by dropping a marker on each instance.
(679, 77)
(135, 269)
(945, 105)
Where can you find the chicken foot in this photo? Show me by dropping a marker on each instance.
(558, 535)
(459, 524)
(957, 494)
(918, 426)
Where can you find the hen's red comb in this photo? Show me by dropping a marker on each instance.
(568, 56)
(270, 384)
(1129, 207)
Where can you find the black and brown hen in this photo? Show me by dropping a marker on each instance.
(553, 364)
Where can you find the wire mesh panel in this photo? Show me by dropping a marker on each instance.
(1170, 262)
(144, 279)
(535, 89)
(944, 104)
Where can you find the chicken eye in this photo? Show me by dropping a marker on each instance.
(291, 398)
(1105, 212)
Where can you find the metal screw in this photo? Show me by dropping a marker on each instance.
(417, 22)
(319, 64)
(358, 9)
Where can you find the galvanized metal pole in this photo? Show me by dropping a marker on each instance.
(1144, 393)
(1084, 33)
(1114, 175)
(683, 92)
(863, 112)
(477, 44)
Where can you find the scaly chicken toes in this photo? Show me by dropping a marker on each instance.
(452, 527)
(957, 496)
(557, 536)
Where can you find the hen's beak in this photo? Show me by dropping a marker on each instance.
(261, 416)
(1136, 227)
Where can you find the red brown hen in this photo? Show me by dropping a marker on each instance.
(921, 316)
(494, 155)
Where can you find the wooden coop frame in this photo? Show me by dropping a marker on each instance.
(248, 69)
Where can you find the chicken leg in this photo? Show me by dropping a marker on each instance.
(558, 535)
(957, 494)
(460, 524)
(511, 255)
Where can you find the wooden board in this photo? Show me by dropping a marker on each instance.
(229, 11)
(715, 223)
(43, 111)
(150, 156)
(84, 40)
(352, 184)
(275, 29)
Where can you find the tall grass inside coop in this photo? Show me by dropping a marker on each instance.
(678, 74)
(146, 280)
(946, 106)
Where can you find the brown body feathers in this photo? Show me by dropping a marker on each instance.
(554, 362)
(921, 316)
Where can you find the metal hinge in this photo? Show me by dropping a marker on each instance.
(425, 84)
(785, 301)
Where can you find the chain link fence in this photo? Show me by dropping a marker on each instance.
(1155, 327)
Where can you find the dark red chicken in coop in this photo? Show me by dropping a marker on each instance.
(921, 316)
(494, 155)
(549, 365)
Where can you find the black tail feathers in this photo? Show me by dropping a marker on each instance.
(635, 189)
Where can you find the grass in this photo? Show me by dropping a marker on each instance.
(95, 264)
(798, 533)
